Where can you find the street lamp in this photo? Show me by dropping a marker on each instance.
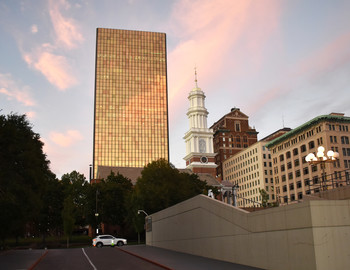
(138, 233)
(96, 213)
(234, 193)
(142, 211)
(322, 159)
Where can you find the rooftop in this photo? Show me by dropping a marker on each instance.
(333, 117)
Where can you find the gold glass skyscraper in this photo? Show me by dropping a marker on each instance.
(131, 109)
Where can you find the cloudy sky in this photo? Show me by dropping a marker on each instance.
(281, 62)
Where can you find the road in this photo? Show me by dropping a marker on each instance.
(127, 257)
(78, 258)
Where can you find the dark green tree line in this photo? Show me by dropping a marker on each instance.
(24, 171)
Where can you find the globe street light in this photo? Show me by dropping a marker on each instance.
(322, 159)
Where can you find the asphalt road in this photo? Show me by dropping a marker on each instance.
(78, 258)
(128, 257)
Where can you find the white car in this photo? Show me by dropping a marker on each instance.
(108, 240)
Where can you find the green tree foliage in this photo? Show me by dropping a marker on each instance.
(24, 171)
(50, 219)
(113, 198)
(264, 197)
(76, 187)
(161, 186)
(68, 216)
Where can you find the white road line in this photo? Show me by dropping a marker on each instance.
(87, 257)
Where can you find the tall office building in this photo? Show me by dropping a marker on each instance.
(131, 110)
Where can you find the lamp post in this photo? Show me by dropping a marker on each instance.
(322, 159)
(96, 213)
(234, 194)
(138, 233)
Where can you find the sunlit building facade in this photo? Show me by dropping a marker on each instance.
(131, 110)
(293, 176)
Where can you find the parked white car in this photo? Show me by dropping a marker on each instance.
(108, 240)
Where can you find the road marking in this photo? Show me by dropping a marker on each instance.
(87, 257)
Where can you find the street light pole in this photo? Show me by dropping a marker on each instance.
(96, 213)
(322, 159)
(138, 233)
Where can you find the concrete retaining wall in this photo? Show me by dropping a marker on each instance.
(308, 235)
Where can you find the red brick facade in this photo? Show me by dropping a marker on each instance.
(232, 134)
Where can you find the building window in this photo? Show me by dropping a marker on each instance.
(290, 176)
(345, 140)
(291, 186)
(295, 151)
(296, 162)
(283, 178)
(292, 197)
(299, 184)
(237, 126)
(288, 154)
(303, 148)
(283, 168)
(300, 196)
(297, 173)
(306, 170)
(311, 145)
(281, 157)
(284, 188)
(289, 165)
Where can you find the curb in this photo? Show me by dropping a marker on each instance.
(145, 259)
(38, 261)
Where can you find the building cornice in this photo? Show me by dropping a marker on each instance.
(308, 125)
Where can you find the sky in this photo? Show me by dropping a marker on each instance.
(282, 62)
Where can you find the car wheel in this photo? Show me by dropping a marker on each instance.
(99, 245)
(120, 243)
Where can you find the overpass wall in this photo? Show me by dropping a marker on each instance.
(308, 235)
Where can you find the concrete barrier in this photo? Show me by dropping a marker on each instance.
(308, 235)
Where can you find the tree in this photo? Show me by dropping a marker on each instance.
(68, 217)
(264, 197)
(24, 170)
(113, 198)
(50, 218)
(162, 186)
(76, 186)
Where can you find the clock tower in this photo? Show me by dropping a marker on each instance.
(200, 156)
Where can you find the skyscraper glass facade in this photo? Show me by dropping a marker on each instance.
(131, 110)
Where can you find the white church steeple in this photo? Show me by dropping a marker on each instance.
(199, 139)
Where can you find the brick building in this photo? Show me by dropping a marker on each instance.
(232, 134)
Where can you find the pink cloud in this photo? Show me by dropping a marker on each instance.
(55, 68)
(13, 90)
(66, 139)
(31, 114)
(211, 32)
(66, 29)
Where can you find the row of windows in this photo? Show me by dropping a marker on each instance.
(340, 127)
(237, 139)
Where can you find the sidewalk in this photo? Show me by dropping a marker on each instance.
(180, 261)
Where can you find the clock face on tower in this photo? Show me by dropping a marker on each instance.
(202, 146)
(204, 159)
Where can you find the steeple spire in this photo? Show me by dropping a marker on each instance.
(195, 76)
